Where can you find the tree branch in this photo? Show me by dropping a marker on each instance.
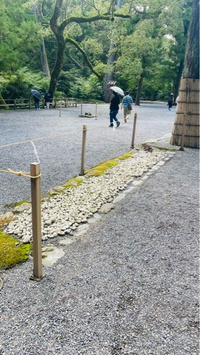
(74, 61)
(84, 19)
(72, 41)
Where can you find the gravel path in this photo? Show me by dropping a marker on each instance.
(127, 286)
(58, 141)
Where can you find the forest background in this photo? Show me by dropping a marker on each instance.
(75, 48)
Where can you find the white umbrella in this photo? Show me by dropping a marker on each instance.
(117, 90)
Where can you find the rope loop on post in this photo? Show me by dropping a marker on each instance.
(19, 173)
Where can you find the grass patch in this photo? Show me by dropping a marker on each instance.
(12, 251)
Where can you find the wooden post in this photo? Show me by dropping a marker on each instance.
(60, 109)
(183, 135)
(96, 115)
(134, 128)
(36, 221)
(81, 108)
(83, 150)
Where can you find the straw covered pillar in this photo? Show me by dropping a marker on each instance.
(188, 104)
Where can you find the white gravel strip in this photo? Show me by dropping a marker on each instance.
(64, 212)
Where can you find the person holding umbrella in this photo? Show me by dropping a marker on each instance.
(36, 97)
(114, 105)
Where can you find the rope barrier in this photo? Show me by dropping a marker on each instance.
(42, 138)
(19, 173)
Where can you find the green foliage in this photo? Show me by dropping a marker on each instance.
(87, 89)
(152, 42)
(20, 36)
(12, 251)
(20, 84)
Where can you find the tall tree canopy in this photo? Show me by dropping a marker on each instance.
(76, 40)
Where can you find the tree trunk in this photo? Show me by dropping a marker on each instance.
(58, 64)
(191, 68)
(109, 77)
(178, 79)
(139, 89)
(44, 60)
(188, 106)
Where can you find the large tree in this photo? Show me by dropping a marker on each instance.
(187, 116)
(152, 50)
(79, 17)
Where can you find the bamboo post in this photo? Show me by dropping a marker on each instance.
(83, 150)
(134, 128)
(183, 135)
(36, 221)
(96, 115)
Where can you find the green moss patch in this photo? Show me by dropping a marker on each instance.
(164, 148)
(12, 252)
(5, 220)
(125, 156)
(101, 168)
(19, 203)
(73, 182)
(16, 204)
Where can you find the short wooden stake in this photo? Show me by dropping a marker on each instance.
(96, 114)
(83, 150)
(183, 135)
(134, 128)
(36, 221)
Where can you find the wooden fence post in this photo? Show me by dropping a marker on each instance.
(60, 109)
(134, 128)
(83, 150)
(96, 115)
(36, 221)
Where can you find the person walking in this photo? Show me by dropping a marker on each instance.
(47, 99)
(170, 101)
(127, 106)
(114, 109)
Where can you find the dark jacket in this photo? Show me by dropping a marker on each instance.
(114, 104)
(47, 97)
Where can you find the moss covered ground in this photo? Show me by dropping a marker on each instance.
(12, 251)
